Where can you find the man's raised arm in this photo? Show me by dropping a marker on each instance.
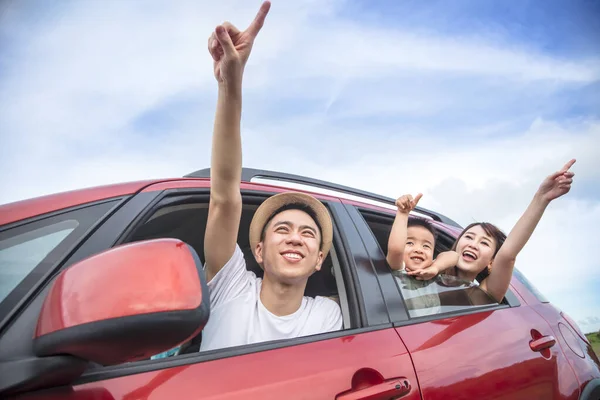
(230, 49)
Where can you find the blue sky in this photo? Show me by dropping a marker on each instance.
(472, 103)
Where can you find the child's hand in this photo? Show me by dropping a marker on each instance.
(557, 184)
(230, 48)
(406, 203)
(425, 274)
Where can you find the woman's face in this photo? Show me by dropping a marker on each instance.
(475, 250)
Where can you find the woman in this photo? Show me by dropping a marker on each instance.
(485, 252)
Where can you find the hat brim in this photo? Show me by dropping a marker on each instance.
(274, 203)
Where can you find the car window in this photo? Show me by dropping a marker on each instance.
(30, 249)
(185, 217)
(20, 254)
(186, 221)
(443, 294)
(440, 295)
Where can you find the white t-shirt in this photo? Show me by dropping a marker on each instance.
(238, 317)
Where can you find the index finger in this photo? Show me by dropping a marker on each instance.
(568, 165)
(417, 198)
(259, 20)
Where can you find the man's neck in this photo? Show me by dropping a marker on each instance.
(281, 299)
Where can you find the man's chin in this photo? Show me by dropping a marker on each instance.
(290, 276)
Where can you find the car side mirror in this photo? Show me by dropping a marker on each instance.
(125, 304)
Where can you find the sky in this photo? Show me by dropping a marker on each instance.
(471, 103)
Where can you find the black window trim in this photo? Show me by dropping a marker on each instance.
(354, 294)
(177, 196)
(50, 265)
(402, 318)
(395, 305)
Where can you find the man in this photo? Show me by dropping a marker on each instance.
(290, 234)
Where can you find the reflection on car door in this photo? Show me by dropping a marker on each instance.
(488, 355)
(375, 362)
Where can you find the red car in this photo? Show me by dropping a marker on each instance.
(95, 283)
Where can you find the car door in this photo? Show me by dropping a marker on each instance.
(478, 350)
(575, 345)
(365, 360)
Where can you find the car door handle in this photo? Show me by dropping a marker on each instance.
(543, 343)
(387, 390)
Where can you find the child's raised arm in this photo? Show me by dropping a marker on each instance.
(554, 186)
(398, 235)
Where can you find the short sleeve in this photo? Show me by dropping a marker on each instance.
(231, 281)
(333, 316)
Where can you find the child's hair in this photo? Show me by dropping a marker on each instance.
(491, 230)
(424, 224)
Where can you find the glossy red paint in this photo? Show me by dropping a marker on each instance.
(574, 326)
(570, 339)
(317, 370)
(585, 368)
(67, 393)
(19, 210)
(488, 355)
(133, 279)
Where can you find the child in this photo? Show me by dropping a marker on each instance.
(410, 254)
(412, 243)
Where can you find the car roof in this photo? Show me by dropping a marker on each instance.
(29, 208)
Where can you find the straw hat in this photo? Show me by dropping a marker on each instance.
(274, 203)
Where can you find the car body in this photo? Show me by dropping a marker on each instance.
(523, 348)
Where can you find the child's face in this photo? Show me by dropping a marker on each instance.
(418, 252)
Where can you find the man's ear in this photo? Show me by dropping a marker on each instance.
(258, 252)
(320, 260)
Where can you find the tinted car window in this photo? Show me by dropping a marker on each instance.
(21, 253)
(442, 294)
(31, 249)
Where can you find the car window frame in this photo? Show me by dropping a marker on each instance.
(400, 317)
(170, 197)
(347, 247)
(175, 197)
(47, 267)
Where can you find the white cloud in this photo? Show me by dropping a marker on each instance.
(76, 83)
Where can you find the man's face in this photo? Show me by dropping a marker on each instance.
(290, 251)
(418, 252)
